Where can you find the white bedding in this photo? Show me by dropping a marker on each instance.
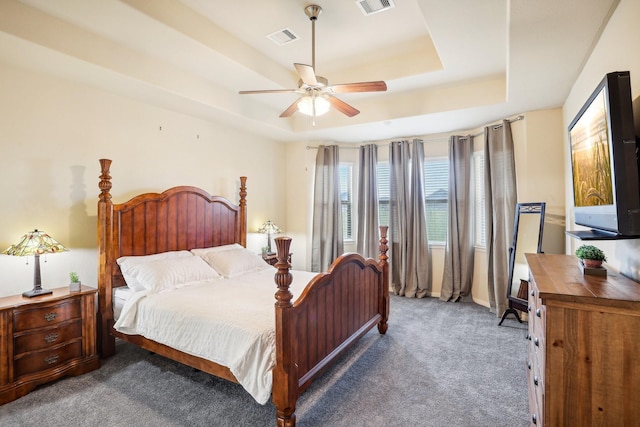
(120, 296)
(229, 321)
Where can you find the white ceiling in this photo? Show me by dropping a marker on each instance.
(449, 65)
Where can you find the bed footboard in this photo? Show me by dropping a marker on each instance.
(333, 312)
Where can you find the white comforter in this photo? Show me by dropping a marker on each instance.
(228, 321)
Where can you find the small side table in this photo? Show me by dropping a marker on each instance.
(271, 259)
(45, 338)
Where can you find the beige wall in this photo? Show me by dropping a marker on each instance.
(53, 133)
(615, 51)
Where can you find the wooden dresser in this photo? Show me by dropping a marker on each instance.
(45, 338)
(584, 351)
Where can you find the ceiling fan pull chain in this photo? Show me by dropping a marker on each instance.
(313, 104)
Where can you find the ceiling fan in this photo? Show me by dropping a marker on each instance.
(317, 95)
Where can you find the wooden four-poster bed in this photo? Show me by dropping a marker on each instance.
(333, 311)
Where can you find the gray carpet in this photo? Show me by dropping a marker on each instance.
(440, 364)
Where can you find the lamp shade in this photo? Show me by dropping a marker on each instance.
(35, 242)
(306, 105)
(269, 228)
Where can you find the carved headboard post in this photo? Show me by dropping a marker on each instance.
(106, 342)
(384, 266)
(243, 210)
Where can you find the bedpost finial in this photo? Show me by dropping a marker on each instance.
(383, 248)
(243, 190)
(283, 277)
(105, 179)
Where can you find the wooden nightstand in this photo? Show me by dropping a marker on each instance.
(46, 338)
(271, 259)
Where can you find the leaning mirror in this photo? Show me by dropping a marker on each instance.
(527, 238)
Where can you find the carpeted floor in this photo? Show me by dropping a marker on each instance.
(440, 364)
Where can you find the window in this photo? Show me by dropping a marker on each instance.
(382, 169)
(436, 192)
(436, 185)
(478, 175)
(346, 192)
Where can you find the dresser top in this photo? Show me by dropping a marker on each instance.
(559, 277)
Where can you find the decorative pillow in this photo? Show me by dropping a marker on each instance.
(167, 274)
(235, 261)
(127, 264)
(202, 251)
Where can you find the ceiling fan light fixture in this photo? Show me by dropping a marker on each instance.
(306, 105)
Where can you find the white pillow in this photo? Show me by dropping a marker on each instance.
(167, 274)
(235, 261)
(202, 251)
(137, 259)
(127, 263)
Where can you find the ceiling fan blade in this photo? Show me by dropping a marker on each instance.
(290, 110)
(307, 74)
(378, 86)
(342, 106)
(246, 92)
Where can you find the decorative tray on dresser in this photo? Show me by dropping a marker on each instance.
(584, 351)
(45, 338)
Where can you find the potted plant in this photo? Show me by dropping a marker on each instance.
(591, 256)
(74, 284)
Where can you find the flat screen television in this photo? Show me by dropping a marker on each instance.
(604, 161)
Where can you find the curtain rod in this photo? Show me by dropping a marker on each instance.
(499, 125)
(496, 126)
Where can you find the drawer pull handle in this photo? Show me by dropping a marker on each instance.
(50, 316)
(536, 342)
(532, 293)
(51, 338)
(529, 308)
(535, 380)
(534, 419)
(529, 365)
(538, 313)
(52, 359)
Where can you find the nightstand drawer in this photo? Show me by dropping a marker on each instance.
(45, 338)
(46, 315)
(47, 359)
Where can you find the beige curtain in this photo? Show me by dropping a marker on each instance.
(409, 251)
(458, 259)
(500, 203)
(368, 235)
(326, 240)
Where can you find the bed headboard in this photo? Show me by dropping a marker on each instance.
(177, 219)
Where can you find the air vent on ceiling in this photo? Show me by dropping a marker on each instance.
(283, 37)
(369, 7)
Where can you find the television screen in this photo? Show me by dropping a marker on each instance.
(591, 157)
(604, 161)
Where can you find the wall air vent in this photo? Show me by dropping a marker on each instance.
(369, 7)
(283, 37)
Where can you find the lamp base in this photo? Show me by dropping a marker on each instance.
(36, 292)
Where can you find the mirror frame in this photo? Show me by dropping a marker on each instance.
(516, 303)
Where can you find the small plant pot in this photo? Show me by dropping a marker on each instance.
(74, 286)
(592, 263)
